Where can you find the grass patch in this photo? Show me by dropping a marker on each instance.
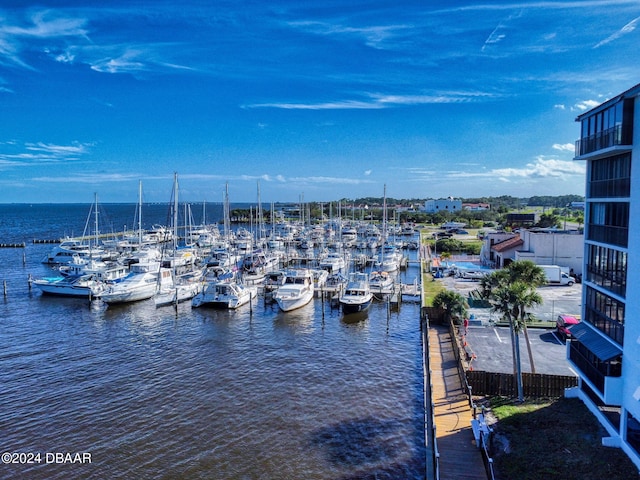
(553, 439)
(430, 289)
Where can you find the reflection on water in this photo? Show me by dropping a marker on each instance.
(181, 393)
(355, 318)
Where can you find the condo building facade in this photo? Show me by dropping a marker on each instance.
(605, 348)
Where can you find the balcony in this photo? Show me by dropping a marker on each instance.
(603, 376)
(609, 138)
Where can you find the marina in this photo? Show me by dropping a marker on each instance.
(252, 392)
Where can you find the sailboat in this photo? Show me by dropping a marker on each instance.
(69, 249)
(390, 258)
(224, 291)
(172, 287)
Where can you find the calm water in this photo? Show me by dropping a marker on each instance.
(165, 393)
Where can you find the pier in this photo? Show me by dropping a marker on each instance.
(12, 245)
(458, 455)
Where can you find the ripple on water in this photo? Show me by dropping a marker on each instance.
(160, 393)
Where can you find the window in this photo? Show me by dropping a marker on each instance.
(607, 128)
(605, 313)
(607, 268)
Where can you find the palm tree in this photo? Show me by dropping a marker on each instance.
(511, 291)
(454, 305)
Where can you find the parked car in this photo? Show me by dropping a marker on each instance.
(563, 323)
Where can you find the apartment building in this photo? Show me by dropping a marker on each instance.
(605, 349)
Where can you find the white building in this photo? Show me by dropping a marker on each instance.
(541, 246)
(553, 247)
(443, 205)
(605, 349)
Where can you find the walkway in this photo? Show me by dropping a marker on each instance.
(460, 459)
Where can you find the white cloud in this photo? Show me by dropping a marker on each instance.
(379, 101)
(564, 147)
(559, 106)
(49, 25)
(544, 168)
(40, 153)
(541, 168)
(587, 105)
(628, 28)
(367, 172)
(374, 36)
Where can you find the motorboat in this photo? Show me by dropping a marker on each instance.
(83, 286)
(379, 280)
(296, 291)
(103, 271)
(333, 262)
(174, 289)
(256, 265)
(140, 284)
(319, 278)
(390, 259)
(69, 249)
(223, 294)
(357, 295)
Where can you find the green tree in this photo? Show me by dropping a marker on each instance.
(454, 304)
(511, 292)
(548, 220)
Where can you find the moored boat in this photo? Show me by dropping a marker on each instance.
(380, 281)
(176, 289)
(81, 286)
(140, 284)
(296, 291)
(222, 294)
(357, 296)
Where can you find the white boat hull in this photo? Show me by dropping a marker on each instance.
(224, 295)
(288, 302)
(69, 288)
(179, 294)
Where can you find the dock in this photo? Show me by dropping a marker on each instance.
(459, 457)
(13, 245)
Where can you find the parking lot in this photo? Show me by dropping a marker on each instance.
(492, 344)
(492, 348)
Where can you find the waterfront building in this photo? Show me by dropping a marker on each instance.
(605, 348)
(443, 205)
(548, 246)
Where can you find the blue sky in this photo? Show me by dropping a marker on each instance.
(321, 102)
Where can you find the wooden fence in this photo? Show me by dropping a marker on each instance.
(503, 384)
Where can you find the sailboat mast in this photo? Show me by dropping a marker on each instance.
(175, 211)
(227, 212)
(96, 223)
(140, 214)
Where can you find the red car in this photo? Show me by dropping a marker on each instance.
(563, 322)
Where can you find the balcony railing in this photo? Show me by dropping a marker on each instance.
(587, 368)
(600, 140)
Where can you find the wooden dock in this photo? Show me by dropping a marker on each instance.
(459, 457)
